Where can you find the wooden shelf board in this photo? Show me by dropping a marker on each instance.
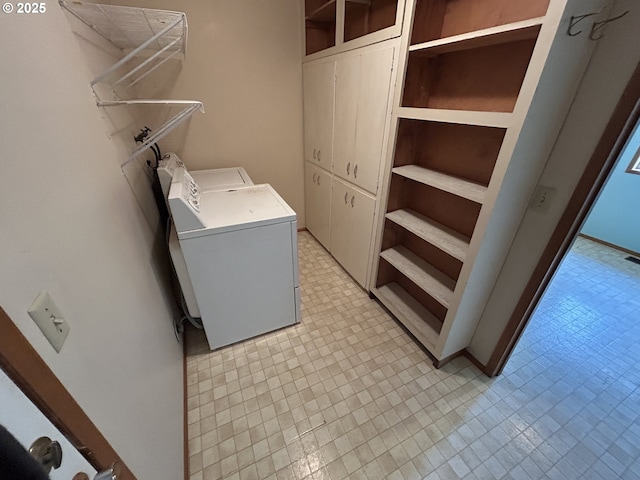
(446, 239)
(464, 117)
(417, 319)
(420, 272)
(323, 13)
(457, 186)
(511, 32)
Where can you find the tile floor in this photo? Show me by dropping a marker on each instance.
(346, 393)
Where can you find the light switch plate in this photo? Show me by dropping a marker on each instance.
(49, 319)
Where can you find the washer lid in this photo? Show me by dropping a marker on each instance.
(221, 178)
(248, 207)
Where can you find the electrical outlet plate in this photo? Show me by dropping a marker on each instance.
(542, 198)
(49, 319)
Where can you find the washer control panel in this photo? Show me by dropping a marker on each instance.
(166, 169)
(190, 191)
(184, 202)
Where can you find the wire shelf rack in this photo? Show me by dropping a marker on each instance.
(148, 38)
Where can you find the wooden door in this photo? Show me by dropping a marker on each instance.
(318, 84)
(30, 373)
(318, 203)
(26, 423)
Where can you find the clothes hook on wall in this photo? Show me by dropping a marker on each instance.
(598, 26)
(575, 19)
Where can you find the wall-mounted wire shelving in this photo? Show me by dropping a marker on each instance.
(148, 39)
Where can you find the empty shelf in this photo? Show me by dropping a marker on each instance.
(324, 13)
(511, 32)
(465, 117)
(457, 186)
(420, 272)
(187, 109)
(446, 239)
(417, 319)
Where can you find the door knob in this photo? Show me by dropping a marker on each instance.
(47, 452)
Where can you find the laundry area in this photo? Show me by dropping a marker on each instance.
(285, 238)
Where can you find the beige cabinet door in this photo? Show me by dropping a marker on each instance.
(352, 214)
(346, 115)
(373, 99)
(318, 84)
(363, 83)
(318, 203)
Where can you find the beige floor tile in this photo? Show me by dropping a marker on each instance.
(348, 394)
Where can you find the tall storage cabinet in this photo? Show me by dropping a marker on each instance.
(480, 83)
(341, 217)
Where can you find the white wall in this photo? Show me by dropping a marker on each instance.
(592, 108)
(244, 62)
(615, 218)
(70, 225)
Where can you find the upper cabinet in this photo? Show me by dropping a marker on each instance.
(334, 26)
(362, 88)
(318, 84)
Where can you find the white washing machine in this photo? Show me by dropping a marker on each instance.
(240, 250)
(213, 179)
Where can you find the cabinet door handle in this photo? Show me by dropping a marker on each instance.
(355, 171)
(318, 154)
(346, 198)
(314, 178)
(353, 199)
(318, 182)
(348, 168)
(314, 153)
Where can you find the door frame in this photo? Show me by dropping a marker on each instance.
(619, 128)
(22, 364)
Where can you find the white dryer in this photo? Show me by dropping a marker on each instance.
(240, 249)
(211, 179)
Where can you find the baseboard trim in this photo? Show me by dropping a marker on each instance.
(611, 245)
(476, 362)
(442, 362)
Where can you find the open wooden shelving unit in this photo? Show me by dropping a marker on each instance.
(320, 25)
(332, 26)
(465, 65)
